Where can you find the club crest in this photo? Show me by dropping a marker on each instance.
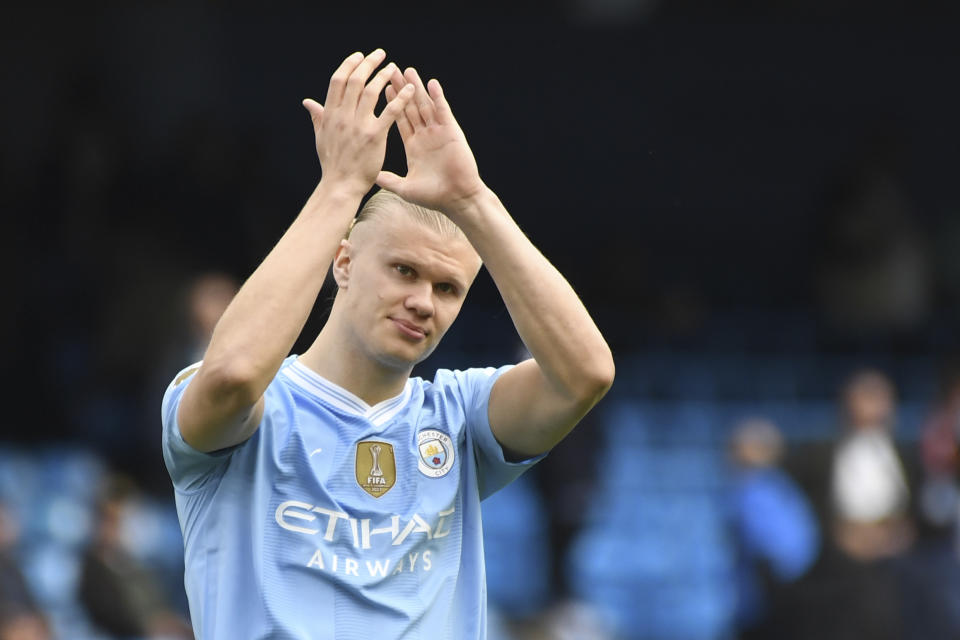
(436, 453)
(376, 468)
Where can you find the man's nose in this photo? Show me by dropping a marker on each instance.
(420, 299)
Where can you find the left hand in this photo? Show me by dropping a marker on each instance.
(441, 170)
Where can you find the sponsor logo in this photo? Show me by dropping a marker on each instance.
(308, 519)
(323, 560)
(414, 540)
(375, 467)
(436, 453)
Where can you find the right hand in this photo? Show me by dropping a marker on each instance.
(351, 140)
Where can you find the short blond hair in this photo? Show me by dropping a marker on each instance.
(385, 202)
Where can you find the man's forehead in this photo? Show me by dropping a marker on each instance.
(400, 232)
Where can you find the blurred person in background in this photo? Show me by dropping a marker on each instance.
(20, 618)
(775, 532)
(931, 572)
(203, 299)
(207, 299)
(120, 594)
(938, 448)
(868, 484)
(874, 269)
(856, 591)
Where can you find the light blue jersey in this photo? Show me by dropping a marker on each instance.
(338, 520)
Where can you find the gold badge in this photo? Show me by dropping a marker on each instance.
(376, 467)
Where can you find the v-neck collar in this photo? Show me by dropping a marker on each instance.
(331, 393)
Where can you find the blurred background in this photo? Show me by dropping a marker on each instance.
(758, 202)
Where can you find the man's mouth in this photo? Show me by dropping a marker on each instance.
(409, 329)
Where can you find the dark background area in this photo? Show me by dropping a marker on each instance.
(659, 163)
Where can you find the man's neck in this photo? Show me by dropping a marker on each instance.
(339, 361)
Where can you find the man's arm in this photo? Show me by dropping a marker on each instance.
(224, 403)
(535, 404)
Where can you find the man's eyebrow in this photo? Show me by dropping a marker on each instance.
(456, 282)
(411, 261)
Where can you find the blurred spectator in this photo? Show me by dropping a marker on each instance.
(202, 300)
(207, 298)
(20, 618)
(931, 574)
(121, 596)
(869, 486)
(775, 533)
(856, 588)
(938, 448)
(874, 272)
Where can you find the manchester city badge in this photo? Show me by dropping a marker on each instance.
(436, 453)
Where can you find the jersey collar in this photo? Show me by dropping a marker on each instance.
(316, 385)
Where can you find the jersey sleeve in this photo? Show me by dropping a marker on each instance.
(494, 471)
(189, 469)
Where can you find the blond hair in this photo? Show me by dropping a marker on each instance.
(385, 202)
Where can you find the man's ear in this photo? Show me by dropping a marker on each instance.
(342, 264)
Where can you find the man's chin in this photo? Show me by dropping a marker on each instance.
(406, 359)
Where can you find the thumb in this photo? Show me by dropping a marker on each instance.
(391, 182)
(314, 109)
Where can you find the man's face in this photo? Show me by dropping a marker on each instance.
(403, 285)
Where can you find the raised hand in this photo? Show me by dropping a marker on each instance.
(351, 139)
(441, 170)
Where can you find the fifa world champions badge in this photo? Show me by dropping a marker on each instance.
(436, 453)
(376, 467)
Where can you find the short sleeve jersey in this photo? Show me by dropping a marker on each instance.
(341, 520)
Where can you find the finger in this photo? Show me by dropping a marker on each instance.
(412, 111)
(338, 81)
(397, 81)
(422, 99)
(315, 110)
(395, 108)
(403, 125)
(441, 107)
(371, 93)
(358, 79)
(391, 182)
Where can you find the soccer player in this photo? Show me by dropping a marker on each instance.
(330, 495)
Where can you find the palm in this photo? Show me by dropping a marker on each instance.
(441, 169)
(440, 164)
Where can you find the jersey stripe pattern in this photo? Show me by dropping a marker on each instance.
(340, 520)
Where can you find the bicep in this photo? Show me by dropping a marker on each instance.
(211, 418)
(528, 415)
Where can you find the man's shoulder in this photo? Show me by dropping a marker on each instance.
(466, 388)
(460, 377)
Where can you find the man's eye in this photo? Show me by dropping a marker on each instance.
(403, 270)
(446, 287)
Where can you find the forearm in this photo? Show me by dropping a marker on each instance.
(548, 314)
(265, 318)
